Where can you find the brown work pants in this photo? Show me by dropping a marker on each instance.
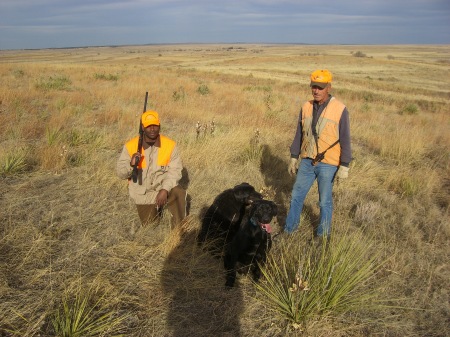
(176, 203)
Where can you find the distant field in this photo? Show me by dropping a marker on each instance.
(68, 230)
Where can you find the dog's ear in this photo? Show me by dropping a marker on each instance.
(241, 194)
(243, 185)
(274, 209)
(244, 191)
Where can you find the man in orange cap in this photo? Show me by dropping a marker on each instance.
(159, 171)
(322, 141)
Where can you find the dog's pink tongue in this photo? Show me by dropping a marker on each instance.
(266, 227)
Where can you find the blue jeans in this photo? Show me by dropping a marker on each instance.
(307, 173)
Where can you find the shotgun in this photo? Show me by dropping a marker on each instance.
(319, 157)
(135, 173)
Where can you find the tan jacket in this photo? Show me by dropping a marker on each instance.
(154, 176)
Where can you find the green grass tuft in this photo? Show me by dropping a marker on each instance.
(106, 77)
(203, 89)
(409, 109)
(59, 82)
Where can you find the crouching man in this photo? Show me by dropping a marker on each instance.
(159, 170)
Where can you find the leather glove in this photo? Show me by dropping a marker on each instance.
(342, 172)
(292, 168)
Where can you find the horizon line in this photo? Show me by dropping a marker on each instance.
(228, 43)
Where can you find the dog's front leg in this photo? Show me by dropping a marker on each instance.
(261, 258)
(256, 270)
(230, 261)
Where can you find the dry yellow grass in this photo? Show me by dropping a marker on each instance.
(65, 217)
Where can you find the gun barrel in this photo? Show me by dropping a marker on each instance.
(141, 136)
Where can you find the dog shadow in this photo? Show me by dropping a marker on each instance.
(276, 178)
(214, 246)
(193, 282)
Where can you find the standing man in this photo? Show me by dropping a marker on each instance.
(322, 141)
(159, 171)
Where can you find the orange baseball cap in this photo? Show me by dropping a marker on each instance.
(150, 118)
(321, 78)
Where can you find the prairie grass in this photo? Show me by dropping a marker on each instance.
(70, 240)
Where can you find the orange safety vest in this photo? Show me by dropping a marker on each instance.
(327, 128)
(164, 152)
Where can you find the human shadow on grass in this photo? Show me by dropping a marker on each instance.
(199, 303)
(184, 183)
(276, 178)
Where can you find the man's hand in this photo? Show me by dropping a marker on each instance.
(161, 198)
(292, 168)
(135, 158)
(342, 172)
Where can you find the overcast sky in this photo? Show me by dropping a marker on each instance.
(77, 23)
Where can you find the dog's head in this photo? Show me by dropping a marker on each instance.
(245, 193)
(262, 212)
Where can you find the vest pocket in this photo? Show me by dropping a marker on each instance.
(329, 133)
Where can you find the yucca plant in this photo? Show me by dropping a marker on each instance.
(86, 314)
(52, 135)
(13, 163)
(319, 279)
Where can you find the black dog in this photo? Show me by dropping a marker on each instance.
(249, 247)
(222, 219)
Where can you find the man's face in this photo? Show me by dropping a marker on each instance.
(151, 132)
(320, 95)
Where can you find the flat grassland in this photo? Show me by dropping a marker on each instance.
(70, 239)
